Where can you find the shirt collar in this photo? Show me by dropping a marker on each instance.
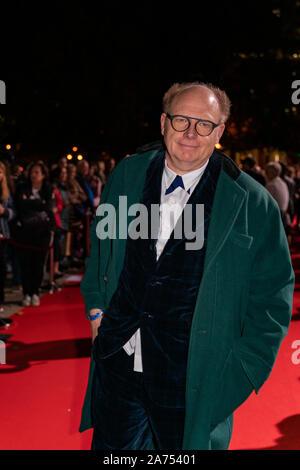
(189, 179)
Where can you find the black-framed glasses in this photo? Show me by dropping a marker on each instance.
(181, 123)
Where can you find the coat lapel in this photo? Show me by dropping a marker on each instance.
(224, 214)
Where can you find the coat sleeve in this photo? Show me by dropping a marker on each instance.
(93, 294)
(270, 297)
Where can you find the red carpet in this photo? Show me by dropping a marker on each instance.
(271, 419)
(43, 383)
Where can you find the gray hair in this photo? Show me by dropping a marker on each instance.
(276, 167)
(177, 88)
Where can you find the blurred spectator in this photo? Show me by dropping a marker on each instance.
(77, 197)
(249, 167)
(291, 184)
(95, 184)
(296, 177)
(35, 221)
(111, 164)
(13, 177)
(7, 213)
(17, 175)
(82, 178)
(78, 211)
(57, 208)
(279, 190)
(59, 178)
(101, 171)
(62, 162)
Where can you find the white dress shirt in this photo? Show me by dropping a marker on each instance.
(171, 207)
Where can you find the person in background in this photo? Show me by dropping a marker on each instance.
(95, 184)
(278, 188)
(285, 175)
(101, 171)
(295, 174)
(77, 196)
(59, 177)
(248, 165)
(7, 214)
(62, 162)
(14, 179)
(57, 208)
(111, 164)
(35, 223)
(78, 214)
(82, 178)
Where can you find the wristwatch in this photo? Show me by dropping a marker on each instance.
(95, 315)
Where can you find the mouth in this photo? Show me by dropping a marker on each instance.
(187, 145)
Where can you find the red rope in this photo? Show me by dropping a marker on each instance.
(25, 247)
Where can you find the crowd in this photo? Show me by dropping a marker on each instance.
(41, 207)
(283, 183)
(52, 206)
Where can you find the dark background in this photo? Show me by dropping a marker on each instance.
(93, 74)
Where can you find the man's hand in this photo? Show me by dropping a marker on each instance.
(95, 323)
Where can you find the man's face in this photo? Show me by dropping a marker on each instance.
(187, 151)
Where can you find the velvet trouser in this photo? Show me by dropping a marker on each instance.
(124, 417)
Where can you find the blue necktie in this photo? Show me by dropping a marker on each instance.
(176, 184)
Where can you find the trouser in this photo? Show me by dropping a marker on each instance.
(124, 417)
(32, 270)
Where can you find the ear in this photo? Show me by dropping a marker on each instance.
(162, 123)
(220, 131)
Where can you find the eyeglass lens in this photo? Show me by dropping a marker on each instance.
(181, 123)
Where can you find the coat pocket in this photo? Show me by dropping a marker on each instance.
(241, 239)
(233, 388)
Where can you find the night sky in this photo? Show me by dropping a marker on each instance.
(77, 74)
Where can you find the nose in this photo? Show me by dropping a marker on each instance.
(191, 131)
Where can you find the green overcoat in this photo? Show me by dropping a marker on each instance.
(244, 302)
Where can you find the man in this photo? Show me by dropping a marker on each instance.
(189, 330)
(278, 188)
(249, 167)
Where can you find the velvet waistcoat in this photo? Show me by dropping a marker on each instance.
(158, 296)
